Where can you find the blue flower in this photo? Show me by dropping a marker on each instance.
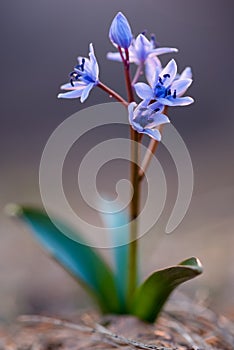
(142, 50)
(83, 78)
(120, 32)
(145, 118)
(165, 87)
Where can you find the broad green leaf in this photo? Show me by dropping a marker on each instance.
(153, 293)
(117, 223)
(79, 259)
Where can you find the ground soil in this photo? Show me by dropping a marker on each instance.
(184, 325)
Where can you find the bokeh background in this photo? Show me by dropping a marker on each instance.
(40, 41)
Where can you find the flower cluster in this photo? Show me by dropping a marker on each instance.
(165, 87)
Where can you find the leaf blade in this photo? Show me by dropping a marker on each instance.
(117, 223)
(150, 297)
(82, 261)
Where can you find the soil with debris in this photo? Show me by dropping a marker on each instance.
(184, 325)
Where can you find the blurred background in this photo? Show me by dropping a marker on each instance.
(40, 41)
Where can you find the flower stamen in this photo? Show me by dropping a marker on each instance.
(75, 75)
(80, 67)
(156, 110)
(153, 41)
(160, 80)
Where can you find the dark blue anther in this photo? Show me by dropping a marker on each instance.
(81, 66)
(157, 110)
(153, 40)
(160, 80)
(169, 92)
(166, 76)
(74, 76)
(174, 94)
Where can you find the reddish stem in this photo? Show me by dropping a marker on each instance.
(113, 94)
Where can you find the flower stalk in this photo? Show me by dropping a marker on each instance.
(134, 211)
(153, 145)
(138, 73)
(112, 93)
(135, 202)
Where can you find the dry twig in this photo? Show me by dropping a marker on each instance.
(99, 330)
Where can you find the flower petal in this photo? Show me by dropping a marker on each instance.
(144, 91)
(93, 63)
(143, 104)
(142, 46)
(131, 107)
(187, 73)
(77, 85)
(153, 133)
(71, 94)
(179, 101)
(133, 58)
(163, 50)
(170, 70)
(152, 66)
(136, 126)
(114, 56)
(86, 92)
(158, 119)
(183, 101)
(142, 41)
(156, 105)
(180, 85)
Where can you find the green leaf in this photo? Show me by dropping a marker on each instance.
(117, 223)
(153, 293)
(79, 259)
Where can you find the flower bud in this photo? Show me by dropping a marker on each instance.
(120, 32)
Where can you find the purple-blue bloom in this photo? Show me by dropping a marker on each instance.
(145, 118)
(141, 50)
(120, 31)
(165, 87)
(83, 78)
